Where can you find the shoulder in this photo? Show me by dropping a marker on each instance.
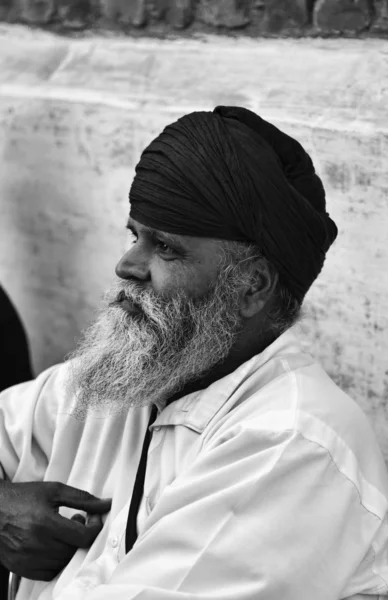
(300, 408)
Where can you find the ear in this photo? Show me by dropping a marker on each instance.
(256, 296)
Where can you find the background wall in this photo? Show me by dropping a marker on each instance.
(74, 117)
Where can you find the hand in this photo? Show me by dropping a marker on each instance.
(36, 542)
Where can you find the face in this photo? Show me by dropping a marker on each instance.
(167, 263)
(172, 315)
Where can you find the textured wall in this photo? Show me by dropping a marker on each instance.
(74, 117)
(254, 17)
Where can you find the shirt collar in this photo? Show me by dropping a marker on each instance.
(197, 409)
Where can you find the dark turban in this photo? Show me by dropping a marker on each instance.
(229, 174)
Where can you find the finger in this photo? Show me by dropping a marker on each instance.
(54, 549)
(66, 495)
(75, 534)
(40, 575)
(94, 521)
(50, 563)
(56, 563)
(79, 518)
(41, 572)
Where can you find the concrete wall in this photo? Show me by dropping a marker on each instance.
(74, 117)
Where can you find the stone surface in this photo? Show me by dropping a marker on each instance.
(284, 14)
(74, 117)
(181, 13)
(139, 14)
(253, 17)
(156, 9)
(74, 13)
(5, 8)
(380, 23)
(127, 12)
(224, 13)
(37, 11)
(342, 15)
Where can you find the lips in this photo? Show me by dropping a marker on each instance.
(126, 304)
(130, 307)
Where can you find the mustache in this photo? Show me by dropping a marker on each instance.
(145, 302)
(125, 295)
(130, 292)
(138, 295)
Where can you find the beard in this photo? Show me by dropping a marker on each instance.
(133, 359)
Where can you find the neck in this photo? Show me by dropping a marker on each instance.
(242, 351)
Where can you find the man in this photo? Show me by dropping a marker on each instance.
(16, 366)
(237, 469)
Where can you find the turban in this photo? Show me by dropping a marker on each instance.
(231, 175)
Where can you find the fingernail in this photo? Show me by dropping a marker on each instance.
(79, 518)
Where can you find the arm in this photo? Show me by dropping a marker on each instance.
(15, 367)
(259, 515)
(35, 541)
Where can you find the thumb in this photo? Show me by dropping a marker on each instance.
(66, 495)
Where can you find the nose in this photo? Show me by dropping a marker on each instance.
(134, 264)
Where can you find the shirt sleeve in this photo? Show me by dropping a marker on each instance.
(259, 515)
(27, 424)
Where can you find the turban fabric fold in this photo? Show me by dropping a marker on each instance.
(229, 174)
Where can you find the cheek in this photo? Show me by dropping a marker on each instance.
(169, 277)
(166, 276)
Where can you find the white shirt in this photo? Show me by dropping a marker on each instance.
(267, 485)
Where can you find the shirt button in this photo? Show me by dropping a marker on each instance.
(114, 542)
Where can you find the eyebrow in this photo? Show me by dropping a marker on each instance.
(158, 233)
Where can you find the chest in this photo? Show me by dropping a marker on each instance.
(102, 457)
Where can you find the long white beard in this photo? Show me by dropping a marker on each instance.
(125, 360)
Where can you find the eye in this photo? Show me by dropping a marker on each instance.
(133, 237)
(164, 248)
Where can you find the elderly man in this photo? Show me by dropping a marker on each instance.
(237, 469)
